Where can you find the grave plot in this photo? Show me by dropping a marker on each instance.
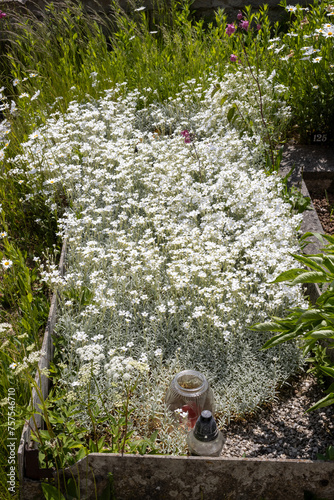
(174, 232)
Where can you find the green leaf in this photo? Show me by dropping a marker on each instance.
(288, 275)
(326, 401)
(327, 237)
(231, 113)
(268, 326)
(311, 277)
(320, 334)
(310, 315)
(279, 339)
(330, 389)
(328, 370)
(223, 99)
(51, 493)
(329, 264)
(30, 297)
(308, 234)
(308, 261)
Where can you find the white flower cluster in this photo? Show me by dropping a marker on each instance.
(123, 367)
(173, 239)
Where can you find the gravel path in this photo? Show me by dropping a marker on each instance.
(284, 430)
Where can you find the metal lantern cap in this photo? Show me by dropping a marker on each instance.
(206, 427)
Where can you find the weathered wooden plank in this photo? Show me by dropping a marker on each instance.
(42, 381)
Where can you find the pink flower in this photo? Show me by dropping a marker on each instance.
(244, 25)
(233, 58)
(186, 135)
(258, 27)
(239, 16)
(2, 14)
(230, 29)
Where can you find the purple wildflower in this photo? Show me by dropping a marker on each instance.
(186, 135)
(244, 25)
(230, 29)
(233, 58)
(239, 16)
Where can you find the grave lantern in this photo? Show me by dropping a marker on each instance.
(190, 392)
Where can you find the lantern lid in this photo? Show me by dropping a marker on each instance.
(206, 428)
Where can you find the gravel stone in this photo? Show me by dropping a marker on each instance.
(283, 429)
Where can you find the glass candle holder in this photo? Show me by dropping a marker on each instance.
(190, 392)
(206, 439)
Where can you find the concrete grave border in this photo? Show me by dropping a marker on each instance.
(183, 478)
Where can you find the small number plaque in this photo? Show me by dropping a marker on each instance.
(320, 137)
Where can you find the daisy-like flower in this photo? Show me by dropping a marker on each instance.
(23, 95)
(3, 234)
(12, 366)
(315, 87)
(291, 8)
(6, 263)
(139, 9)
(317, 59)
(15, 81)
(33, 75)
(329, 33)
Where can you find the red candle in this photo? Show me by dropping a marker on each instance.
(193, 415)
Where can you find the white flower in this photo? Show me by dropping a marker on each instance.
(3, 234)
(291, 8)
(23, 95)
(35, 95)
(158, 352)
(12, 366)
(15, 81)
(6, 263)
(79, 336)
(139, 9)
(316, 59)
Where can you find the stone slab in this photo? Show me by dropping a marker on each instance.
(183, 478)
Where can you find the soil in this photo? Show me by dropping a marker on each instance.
(323, 202)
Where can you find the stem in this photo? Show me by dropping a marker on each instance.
(126, 420)
(90, 413)
(256, 79)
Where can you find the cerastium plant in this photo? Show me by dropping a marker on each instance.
(170, 250)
